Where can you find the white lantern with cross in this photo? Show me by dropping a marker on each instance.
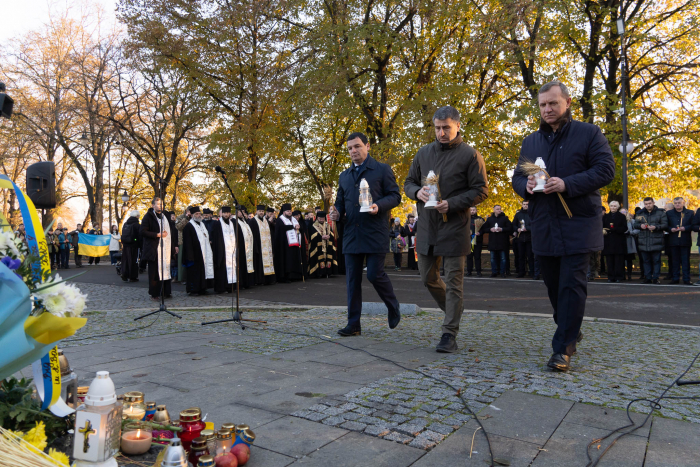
(365, 197)
(98, 425)
(541, 176)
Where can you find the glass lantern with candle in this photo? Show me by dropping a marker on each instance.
(134, 408)
(98, 425)
(433, 192)
(161, 416)
(365, 197)
(69, 381)
(199, 449)
(224, 441)
(192, 426)
(150, 410)
(136, 438)
(210, 436)
(206, 461)
(541, 176)
(174, 455)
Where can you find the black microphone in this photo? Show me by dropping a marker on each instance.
(219, 169)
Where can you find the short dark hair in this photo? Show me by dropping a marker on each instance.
(649, 198)
(551, 84)
(494, 206)
(443, 113)
(357, 134)
(153, 201)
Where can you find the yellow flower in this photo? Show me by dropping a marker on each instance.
(58, 457)
(37, 436)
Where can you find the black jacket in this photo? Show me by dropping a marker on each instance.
(149, 231)
(674, 220)
(651, 240)
(462, 182)
(362, 231)
(696, 224)
(615, 241)
(580, 155)
(498, 240)
(134, 233)
(526, 236)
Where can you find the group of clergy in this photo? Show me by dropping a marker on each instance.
(246, 251)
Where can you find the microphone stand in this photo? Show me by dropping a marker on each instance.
(161, 190)
(236, 316)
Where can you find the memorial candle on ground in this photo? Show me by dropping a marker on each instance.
(134, 413)
(136, 442)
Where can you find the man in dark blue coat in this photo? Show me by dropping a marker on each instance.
(366, 234)
(579, 161)
(680, 226)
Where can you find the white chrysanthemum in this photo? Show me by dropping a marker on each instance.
(78, 307)
(55, 304)
(4, 241)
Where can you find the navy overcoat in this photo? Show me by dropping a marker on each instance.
(364, 232)
(580, 155)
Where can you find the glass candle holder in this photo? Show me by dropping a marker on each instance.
(134, 408)
(199, 449)
(162, 416)
(224, 442)
(365, 197)
(540, 177)
(210, 436)
(206, 461)
(136, 438)
(150, 410)
(192, 426)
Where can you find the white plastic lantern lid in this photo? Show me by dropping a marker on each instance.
(101, 390)
(540, 163)
(364, 184)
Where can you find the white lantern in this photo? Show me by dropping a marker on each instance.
(365, 197)
(433, 193)
(98, 425)
(174, 455)
(540, 177)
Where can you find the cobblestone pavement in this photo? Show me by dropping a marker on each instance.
(113, 297)
(615, 364)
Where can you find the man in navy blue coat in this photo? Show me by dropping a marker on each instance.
(366, 234)
(579, 161)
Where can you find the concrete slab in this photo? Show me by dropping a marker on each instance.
(237, 413)
(379, 308)
(455, 450)
(356, 449)
(347, 358)
(525, 417)
(673, 443)
(295, 437)
(260, 457)
(567, 446)
(606, 418)
(365, 373)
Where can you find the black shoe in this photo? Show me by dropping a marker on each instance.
(350, 331)
(610, 281)
(520, 276)
(133, 280)
(125, 280)
(447, 344)
(478, 274)
(629, 277)
(468, 274)
(394, 317)
(493, 274)
(675, 282)
(687, 283)
(657, 282)
(503, 276)
(646, 281)
(559, 362)
(537, 277)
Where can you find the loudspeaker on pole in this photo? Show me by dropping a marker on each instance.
(41, 184)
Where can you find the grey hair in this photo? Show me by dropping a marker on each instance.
(614, 202)
(551, 84)
(679, 198)
(443, 113)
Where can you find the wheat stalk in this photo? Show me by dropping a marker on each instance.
(478, 224)
(16, 452)
(528, 167)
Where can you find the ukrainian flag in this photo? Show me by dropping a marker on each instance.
(93, 245)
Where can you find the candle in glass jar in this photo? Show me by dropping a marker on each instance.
(134, 413)
(136, 442)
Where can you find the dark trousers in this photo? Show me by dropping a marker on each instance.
(377, 277)
(629, 261)
(65, 254)
(96, 259)
(55, 258)
(526, 259)
(516, 256)
(652, 264)
(112, 258)
(567, 287)
(78, 259)
(130, 269)
(681, 257)
(412, 264)
(474, 259)
(498, 261)
(154, 282)
(616, 267)
(397, 259)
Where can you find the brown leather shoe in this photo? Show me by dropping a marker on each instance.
(559, 362)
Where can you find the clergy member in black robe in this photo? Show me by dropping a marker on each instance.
(304, 240)
(223, 246)
(322, 259)
(158, 247)
(263, 257)
(286, 247)
(271, 221)
(245, 253)
(197, 256)
(207, 220)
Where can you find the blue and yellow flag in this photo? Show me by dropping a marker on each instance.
(93, 245)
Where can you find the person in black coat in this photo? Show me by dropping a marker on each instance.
(521, 227)
(366, 234)
(680, 226)
(130, 253)
(474, 257)
(499, 227)
(615, 242)
(408, 232)
(696, 228)
(304, 239)
(579, 161)
(155, 226)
